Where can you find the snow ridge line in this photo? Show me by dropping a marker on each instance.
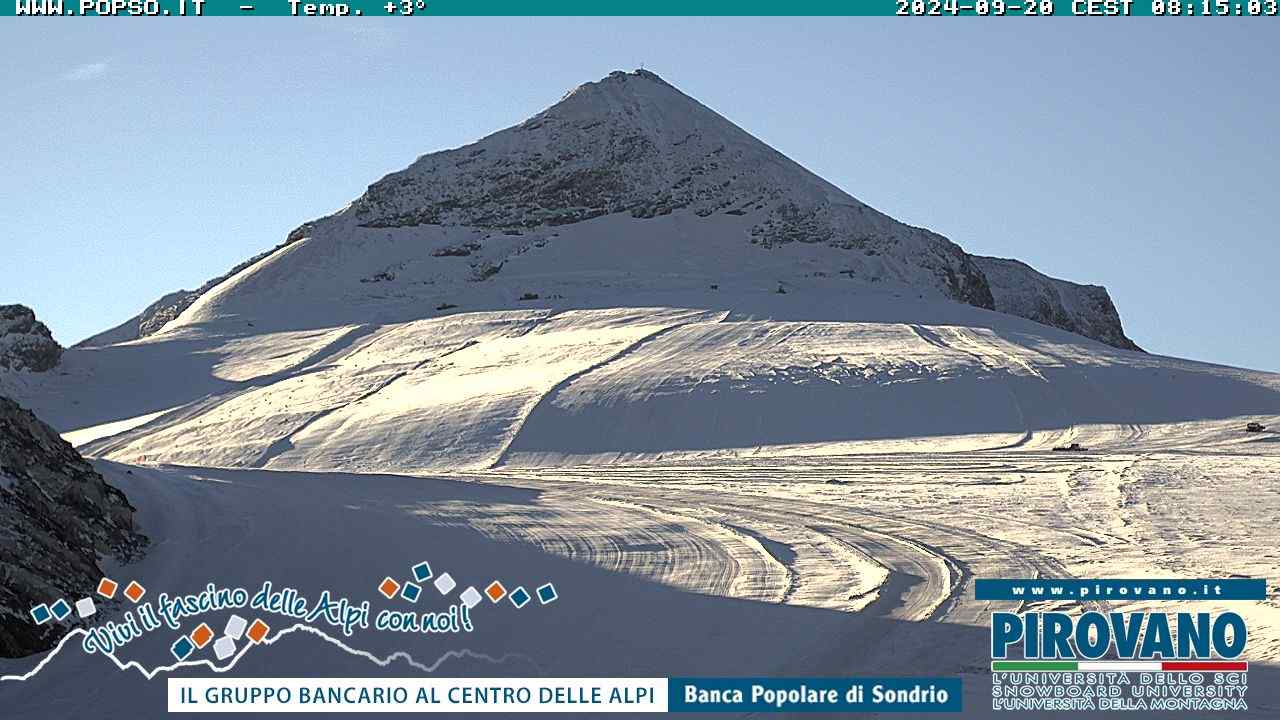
(285, 444)
(299, 627)
(567, 380)
(966, 345)
(101, 447)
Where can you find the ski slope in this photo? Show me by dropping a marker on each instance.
(854, 565)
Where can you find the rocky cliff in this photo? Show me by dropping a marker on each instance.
(1018, 289)
(58, 517)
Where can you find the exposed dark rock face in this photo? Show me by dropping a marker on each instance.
(633, 144)
(165, 309)
(57, 518)
(25, 343)
(1083, 309)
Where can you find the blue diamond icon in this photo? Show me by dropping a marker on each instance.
(182, 648)
(60, 609)
(41, 614)
(547, 594)
(422, 572)
(411, 592)
(519, 597)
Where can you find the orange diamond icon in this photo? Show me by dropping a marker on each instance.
(135, 591)
(389, 588)
(107, 588)
(201, 635)
(258, 630)
(495, 591)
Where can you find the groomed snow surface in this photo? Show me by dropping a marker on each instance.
(738, 483)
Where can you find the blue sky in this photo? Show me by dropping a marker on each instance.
(1140, 154)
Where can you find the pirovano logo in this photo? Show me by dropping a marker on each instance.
(1145, 660)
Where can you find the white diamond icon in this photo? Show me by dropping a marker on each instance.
(85, 608)
(470, 597)
(224, 648)
(445, 583)
(235, 627)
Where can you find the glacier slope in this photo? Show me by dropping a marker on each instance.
(366, 350)
(728, 374)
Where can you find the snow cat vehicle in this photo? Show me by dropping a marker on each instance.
(1073, 447)
(1254, 427)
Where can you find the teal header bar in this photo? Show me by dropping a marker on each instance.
(424, 8)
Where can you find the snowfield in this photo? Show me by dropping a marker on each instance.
(811, 566)
(556, 385)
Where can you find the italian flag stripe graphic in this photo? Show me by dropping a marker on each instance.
(1119, 666)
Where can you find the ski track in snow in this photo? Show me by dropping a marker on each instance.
(897, 537)
(550, 393)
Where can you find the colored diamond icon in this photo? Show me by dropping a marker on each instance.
(445, 584)
(470, 597)
(495, 591)
(182, 649)
(85, 608)
(411, 592)
(224, 648)
(520, 597)
(135, 591)
(422, 572)
(258, 631)
(547, 594)
(107, 588)
(388, 588)
(41, 614)
(202, 635)
(235, 627)
(60, 609)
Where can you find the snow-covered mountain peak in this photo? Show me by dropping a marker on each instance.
(619, 85)
(633, 146)
(625, 186)
(627, 143)
(640, 104)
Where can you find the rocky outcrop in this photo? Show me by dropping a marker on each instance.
(159, 313)
(57, 518)
(1082, 309)
(25, 342)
